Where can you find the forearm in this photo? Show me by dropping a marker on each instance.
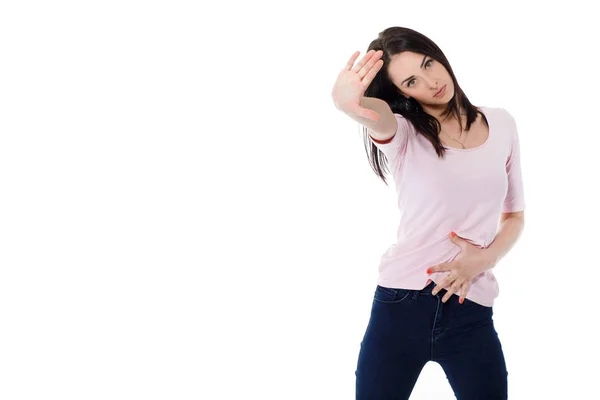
(386, 126)
(508, 234)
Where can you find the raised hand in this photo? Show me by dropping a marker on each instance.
(352, 82)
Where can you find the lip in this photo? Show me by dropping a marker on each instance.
(441, 91)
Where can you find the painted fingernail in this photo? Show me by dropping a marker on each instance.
(453, 234)
(429, 270)
(461, 300)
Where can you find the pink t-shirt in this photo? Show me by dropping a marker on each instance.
(464, 192)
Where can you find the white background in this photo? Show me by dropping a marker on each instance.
(184, 214)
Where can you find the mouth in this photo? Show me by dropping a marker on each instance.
(441, 91)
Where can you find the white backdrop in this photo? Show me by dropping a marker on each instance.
(184, 214)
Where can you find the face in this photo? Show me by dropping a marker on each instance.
(421, 77)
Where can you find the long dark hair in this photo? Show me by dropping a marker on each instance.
(393, 41)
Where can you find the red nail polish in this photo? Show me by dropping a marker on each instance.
(428, 270)
(453, 234)
(461, 300)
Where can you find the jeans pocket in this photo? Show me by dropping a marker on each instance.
(390, 295)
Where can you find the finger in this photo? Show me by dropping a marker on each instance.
(351, 61)
(454, 288)
(445, 282)
(440, 268)
(363, 61)
(371, 74)
(463, 292)
(439, 286)
(457, 240)
(369, 65)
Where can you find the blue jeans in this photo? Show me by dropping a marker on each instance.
(408, 328)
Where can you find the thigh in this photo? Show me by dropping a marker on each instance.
(393, 350)
(472, 358)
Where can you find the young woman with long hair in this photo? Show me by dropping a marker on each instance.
(456, 169)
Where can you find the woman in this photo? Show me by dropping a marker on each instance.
(456, 169)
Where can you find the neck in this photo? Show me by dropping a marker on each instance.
(437, 111)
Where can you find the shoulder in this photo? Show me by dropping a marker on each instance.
(500, 112)
(502, 117)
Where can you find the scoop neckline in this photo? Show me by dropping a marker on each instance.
(483, 109)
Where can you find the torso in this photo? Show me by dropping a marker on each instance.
(475, 137)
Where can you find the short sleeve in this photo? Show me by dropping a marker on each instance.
(395, 147)
(515, 197)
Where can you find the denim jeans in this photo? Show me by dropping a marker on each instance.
(408, 328)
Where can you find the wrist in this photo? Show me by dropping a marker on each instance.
(490, 259)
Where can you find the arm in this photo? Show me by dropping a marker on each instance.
(512, 224)
(387, 125)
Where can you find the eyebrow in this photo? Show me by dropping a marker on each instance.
(412, 76)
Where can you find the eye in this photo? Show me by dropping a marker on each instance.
(426, 64)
